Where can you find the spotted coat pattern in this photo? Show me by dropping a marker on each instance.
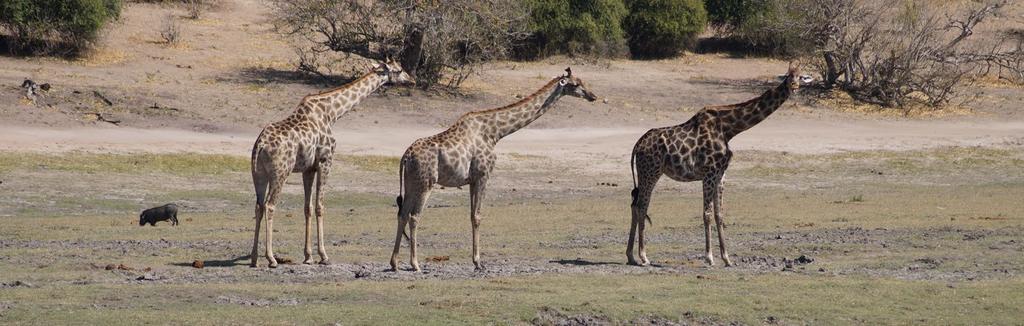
(464, 155)
(304, 142)
(697, 149)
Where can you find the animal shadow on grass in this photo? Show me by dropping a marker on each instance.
(219, 263)
(583, 262)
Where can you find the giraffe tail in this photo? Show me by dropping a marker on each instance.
(636, 189)
(401, 184)
(401, 192)
(261, 194)
(632, 172)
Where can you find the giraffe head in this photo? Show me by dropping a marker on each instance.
(573, 86)
(792, 79)
(394, 72)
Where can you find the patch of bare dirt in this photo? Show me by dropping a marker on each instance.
(242, 301)
(548, 316)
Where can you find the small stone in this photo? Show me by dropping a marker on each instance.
(198, 264)
(18, 284)
(362, 273)
(803, 260)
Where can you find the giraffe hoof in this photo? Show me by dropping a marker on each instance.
(324, 262)
(480, 268)
(252, 265)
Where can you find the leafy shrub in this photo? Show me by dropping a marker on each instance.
(662, 28)
(730, 14)
(575, 27)
(44, 26)
(437, 42)
(770, 30)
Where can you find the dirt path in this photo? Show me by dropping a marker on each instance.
(791, 134)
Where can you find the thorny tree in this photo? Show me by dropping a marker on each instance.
(438, 42)
(889, 55)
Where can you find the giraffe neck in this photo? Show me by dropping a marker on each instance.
(746, 115)
(501, 122)
(331, 105)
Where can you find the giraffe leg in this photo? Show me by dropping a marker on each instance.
(632, 233)
(403, 218)
(477, 190)
(321, 180)
(307, 187)
(274, 191)
(710, 190)
(411, 204)
(254, 256)
(719, 211)
(414, 216)
(642, 241)
(260, 183)
(413, 261)
(645, 187)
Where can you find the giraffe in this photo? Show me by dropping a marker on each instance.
(698, 149)
(303, 142)
(464, 154)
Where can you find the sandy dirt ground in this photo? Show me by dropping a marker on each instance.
(887, 215)
(792, 134)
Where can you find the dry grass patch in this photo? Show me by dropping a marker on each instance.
(179, 164)
(372, 163)
(842, 101)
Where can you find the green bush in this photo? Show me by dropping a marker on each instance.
(768, 32)
(575, 27)
(662, 28)
(44, 26)
(733, 13)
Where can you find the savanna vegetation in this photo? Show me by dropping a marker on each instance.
(54, 26)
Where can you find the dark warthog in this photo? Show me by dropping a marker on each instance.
(162, 213)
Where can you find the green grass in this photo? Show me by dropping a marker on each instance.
(372, 163)
(745, 299)
(899, 163)
(914, 266)
(178, 163)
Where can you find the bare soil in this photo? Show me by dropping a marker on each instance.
(860, 202)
